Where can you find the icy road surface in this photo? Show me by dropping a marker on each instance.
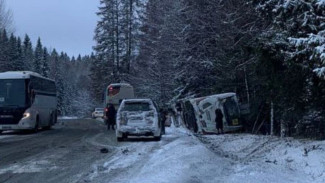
(71, 153)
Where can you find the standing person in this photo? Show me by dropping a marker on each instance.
(178, 107)
(110, 116)
(218, 120)
(163, 120)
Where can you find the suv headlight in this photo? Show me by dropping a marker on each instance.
(26, 115)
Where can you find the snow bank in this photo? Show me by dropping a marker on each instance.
(295, 157)
(5, 136)
(68, 117)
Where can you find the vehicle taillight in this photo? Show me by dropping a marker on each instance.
(106, 110)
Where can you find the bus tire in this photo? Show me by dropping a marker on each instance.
(51, 122)
(55, 117)
(36, 128)
(119, 139)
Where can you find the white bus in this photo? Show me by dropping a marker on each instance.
(27, 101)
(199, 113)
(116, 92)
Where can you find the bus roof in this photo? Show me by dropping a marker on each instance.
(217, 96)
(120, 84)
(20, 75)
(221, 96)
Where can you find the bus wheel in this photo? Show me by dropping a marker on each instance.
(36, 128)
(119, 139)
(51, 122)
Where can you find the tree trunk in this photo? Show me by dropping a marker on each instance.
(129, 37)
(247, 89)
(117, 38)
(272, 119)
(283, 128)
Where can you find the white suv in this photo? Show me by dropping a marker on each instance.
(137, 117)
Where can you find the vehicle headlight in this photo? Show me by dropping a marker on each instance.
(26, 115)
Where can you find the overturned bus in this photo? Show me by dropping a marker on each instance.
(199, 113)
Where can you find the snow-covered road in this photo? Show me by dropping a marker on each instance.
(179, 157)
(71, 153)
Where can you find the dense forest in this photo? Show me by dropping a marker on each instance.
(270, 52)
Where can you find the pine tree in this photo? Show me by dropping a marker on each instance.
(28, 55)
(4, 51)
(38, 57)
(45, 63)
(19, 63)
(12, 53)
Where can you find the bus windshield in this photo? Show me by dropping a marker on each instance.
(231, 109)
(12, 92)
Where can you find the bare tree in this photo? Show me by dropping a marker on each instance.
(6, 17)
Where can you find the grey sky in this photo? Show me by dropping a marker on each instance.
(67, 25)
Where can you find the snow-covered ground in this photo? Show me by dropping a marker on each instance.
(183, 157)
(281, 160)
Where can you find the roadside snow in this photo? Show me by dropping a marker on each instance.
(296, 160)
(67, 117)
(182, 157)
(5, 136)
(178, 157)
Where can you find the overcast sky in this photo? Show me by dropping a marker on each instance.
(67, 25)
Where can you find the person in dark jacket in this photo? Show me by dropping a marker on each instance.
(163, 115)
(110, 116)
(218, 120)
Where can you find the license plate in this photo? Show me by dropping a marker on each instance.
(235, 122)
